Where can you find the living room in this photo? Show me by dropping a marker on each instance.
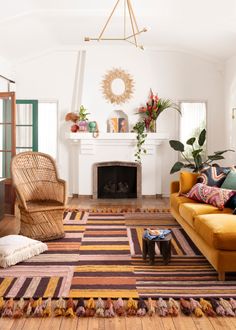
(189, 57)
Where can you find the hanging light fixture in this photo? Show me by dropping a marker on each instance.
(131, 38)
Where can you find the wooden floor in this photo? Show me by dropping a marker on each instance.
(9, 225)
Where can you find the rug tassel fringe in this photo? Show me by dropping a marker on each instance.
(19, 309)
(110, 308)
(90, 308)
(207, 307)
(60, 307)
(80, 308)
(173, 307)
(119, 307)
(70, 308)
(8, 308)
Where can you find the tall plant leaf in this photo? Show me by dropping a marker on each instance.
(222, 152)
(191, 141)
(215, 157)
(177, 145)
(176, 167)
(202, 138)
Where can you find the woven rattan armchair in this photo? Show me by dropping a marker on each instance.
(41, 195)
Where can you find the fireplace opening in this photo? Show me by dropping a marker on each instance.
(117, 180)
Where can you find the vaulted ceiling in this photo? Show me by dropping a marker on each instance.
(31, 27)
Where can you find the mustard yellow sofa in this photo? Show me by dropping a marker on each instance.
(212, 231)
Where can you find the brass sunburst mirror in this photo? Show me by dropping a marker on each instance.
(117, 86)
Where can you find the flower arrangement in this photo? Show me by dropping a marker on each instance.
(80, 116)
(154, 107)
(149, 114)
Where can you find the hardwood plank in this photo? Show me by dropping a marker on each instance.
(50, 323)
(82, 323)
(231, 321)
(133, 323)
(183, 322)
(152, 322)
(222, 323)
(167, 322)
(117, 323)
(95, 323)
(32, 323)
(18, 324)
(69, 323)
(202, 323)
(6, 323)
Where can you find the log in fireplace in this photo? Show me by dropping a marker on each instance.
(116, 179)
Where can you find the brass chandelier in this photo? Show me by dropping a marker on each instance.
(128, 13)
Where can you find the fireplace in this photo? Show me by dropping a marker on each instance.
(116, 180)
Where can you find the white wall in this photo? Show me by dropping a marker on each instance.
(230, 103)
(174, 75)
(6, 71)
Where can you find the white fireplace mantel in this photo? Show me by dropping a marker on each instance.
(85, 150)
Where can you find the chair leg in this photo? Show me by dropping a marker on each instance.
(221, 276)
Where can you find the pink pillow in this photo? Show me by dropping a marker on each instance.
(211, 195)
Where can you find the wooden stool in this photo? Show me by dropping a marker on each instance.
(164, 246)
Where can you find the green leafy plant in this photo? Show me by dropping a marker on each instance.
(195, 162)
(82, 114)
(139, 129)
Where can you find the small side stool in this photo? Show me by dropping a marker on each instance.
(164, 246)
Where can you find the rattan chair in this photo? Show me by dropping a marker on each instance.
(41, 195)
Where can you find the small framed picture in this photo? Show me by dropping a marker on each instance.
(122, 125)
(113, 123)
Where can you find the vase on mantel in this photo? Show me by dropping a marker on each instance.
(152, 127)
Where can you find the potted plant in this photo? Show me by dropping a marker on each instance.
(149, 114)
(195, 161)
(79, 119)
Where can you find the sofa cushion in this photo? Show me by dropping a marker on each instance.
(218, 230)
(176, 201)
(186, 181)
(189, 211)
(211, 195)
(230, 181)
(213, 175)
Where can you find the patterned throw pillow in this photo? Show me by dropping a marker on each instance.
(210, 195)
(213, 176)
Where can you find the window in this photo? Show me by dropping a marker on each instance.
(47, 127)
(7, 132)
(26, 125)
(192, 122)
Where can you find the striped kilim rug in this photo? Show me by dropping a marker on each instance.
(101, 256)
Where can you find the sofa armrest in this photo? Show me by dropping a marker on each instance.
(174, 187)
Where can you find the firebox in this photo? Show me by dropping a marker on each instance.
(116, 180)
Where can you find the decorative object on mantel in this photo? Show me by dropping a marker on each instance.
(149, 114)
(79, 119)
(129, 35)
(154, 107)
(195, 160)
(93, 128)
(117, 86)
(118, 122)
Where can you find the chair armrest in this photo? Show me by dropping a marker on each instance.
(20, 198)
(174, 187)
(62, 196)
